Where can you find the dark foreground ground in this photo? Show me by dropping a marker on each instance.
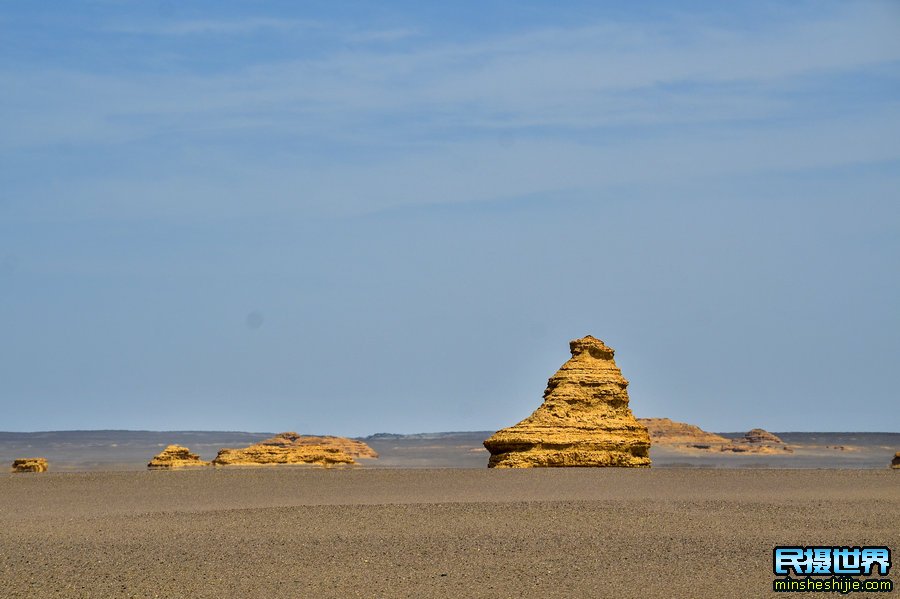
(295, 532)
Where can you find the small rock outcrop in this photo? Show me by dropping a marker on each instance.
(175, 456)
(760, 436)
(30, 465)
(895, 463)
(664, 431)
(285, 448)
(584, 419)
(758, 440)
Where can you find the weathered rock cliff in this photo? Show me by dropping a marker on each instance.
(284, 449)
(30, 465)
(584, 419)
(175, 456)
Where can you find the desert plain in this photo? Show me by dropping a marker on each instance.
(451, 532)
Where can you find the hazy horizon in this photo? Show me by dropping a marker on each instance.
(404, 433)
(354, 218)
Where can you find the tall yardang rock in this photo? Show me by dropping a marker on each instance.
(584, 420)
(29, 465)
(175, 456)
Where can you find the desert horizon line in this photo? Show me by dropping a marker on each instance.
(486, 430)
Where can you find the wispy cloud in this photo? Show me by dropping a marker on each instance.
(541, 110)
(254, 25)
(164, 177)
(382, 35)
(237, 26)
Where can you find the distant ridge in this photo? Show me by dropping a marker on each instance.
(443, 435)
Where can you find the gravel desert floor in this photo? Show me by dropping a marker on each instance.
(298, 532)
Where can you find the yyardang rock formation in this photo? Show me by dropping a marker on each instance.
(352, 447)
(584, 420)
(175, 456)
(289, 448)
(30, 465)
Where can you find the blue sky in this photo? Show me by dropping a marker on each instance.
(363, 217)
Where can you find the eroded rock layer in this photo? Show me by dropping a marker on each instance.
(584, 419)
(175, 456)
(283, 449)
(30, 465)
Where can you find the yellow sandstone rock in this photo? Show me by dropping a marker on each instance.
(352, 447)
(175, 456)
(584, 420)
(30, 465)
(285, 448)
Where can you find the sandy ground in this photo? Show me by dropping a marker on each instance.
(296, 532)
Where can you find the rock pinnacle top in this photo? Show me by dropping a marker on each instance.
(593, 346)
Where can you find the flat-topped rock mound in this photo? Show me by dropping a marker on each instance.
(664, 431)
(352, 447)
(284, 448)
(895, 463)
(30, 465)
(584, 419)
(176, 456)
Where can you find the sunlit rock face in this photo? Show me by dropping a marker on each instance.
(174, 457)
(584, 420)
